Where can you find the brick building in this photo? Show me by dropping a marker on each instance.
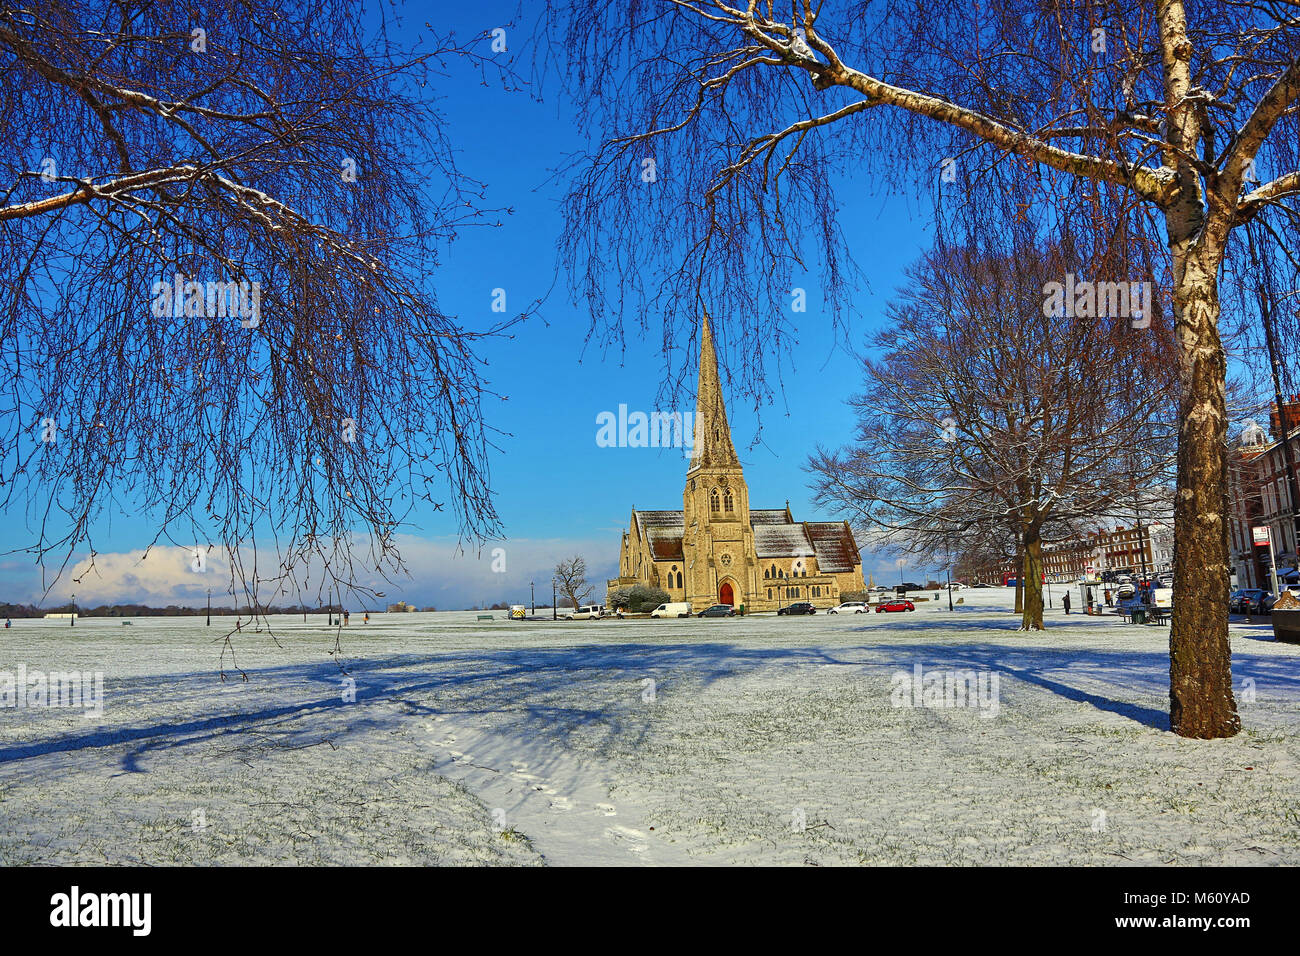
(1259, 495)
(1118, 550)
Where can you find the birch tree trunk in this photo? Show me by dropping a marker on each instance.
(1201, 702)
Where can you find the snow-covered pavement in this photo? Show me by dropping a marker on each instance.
(816, 740)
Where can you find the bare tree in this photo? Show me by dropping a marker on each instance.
(983, 415)
(1156, 130)
(571, 576)
(216, 225)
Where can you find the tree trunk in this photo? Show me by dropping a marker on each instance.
(1020, 576)
(1032, 581)
(1201, 702)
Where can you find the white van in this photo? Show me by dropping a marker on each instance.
(672, 609)
(588, 612)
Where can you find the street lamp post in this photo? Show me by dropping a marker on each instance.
(72, 622)
(532, 598)
(209, 624)
(555, 614)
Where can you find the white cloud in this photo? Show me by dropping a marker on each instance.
(439, 572)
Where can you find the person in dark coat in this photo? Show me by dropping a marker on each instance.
(1065, 602)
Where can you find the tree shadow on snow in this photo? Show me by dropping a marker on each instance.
(529, 693)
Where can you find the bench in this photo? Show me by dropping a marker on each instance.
(1150, 614)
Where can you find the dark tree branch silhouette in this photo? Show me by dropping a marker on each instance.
(216, 226)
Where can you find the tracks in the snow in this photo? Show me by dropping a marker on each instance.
(562, 805)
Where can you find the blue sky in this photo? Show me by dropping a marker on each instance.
(558, 493)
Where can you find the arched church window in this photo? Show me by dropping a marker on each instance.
(727, 503)
(713, 500)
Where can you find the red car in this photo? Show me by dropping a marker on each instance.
(897, 605)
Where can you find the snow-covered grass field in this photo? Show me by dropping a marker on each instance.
(760, 740)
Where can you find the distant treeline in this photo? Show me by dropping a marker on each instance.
(171, 610)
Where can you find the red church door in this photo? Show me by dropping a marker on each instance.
(725, 594)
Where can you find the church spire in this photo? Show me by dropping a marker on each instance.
(713, 446)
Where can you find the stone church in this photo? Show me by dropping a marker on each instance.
(717, 550)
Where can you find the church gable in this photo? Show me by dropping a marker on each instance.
(662, 531)
(833, 544)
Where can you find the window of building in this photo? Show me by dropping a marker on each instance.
(728, 505)
(713, 500)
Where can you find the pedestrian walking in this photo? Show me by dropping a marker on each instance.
(1065, 602)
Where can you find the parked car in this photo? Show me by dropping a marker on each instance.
(1258, 601)
(899, 605)
(798, 607)
(910, 586)
(718, 610)
(850, 607)
(1235, 599)
(588, 612)
(957, 586)
(672, 609)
